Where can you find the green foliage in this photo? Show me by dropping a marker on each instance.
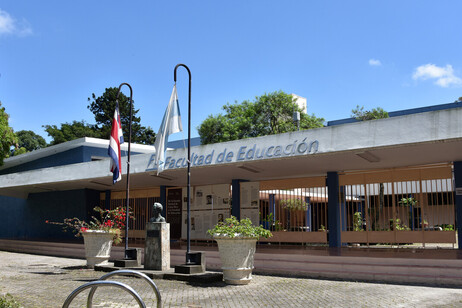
(395, 224)
(18, 151)
(269, 114)
(7, 136)
(358, 221)
(273, 224)
(364, 115)
(7, 301)
(232, 227)
(294, 204)
(28, 141)
(408, 201)
(71, 131)
(446, 227)
(103, 108)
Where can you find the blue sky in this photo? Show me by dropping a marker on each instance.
(337, 54)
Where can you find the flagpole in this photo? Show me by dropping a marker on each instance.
(188, 249)
(127, 211)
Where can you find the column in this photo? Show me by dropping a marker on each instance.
(333, 210)
(458, 200)
(236, 197)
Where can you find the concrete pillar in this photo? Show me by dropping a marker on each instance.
(333, 210)
(107, 201)
(272, 206)
(308, 214)
(236, 197)
(458, 199)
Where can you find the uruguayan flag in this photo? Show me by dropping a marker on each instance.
(171, 123)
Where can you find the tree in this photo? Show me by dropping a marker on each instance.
(71, 131)
(364, 115)
(269, 114)
(103, 109)
(28, 141)
(7, 136)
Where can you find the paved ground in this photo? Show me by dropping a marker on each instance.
(40, 281)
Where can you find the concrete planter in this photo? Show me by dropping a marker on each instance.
(98, 246)
(236, 256)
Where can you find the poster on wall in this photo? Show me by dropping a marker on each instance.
(221, 196)
(201, 221)
(203, 197)
(252, 214)
(211, 205)
(173, 212)
(185, 199)
(250, 195)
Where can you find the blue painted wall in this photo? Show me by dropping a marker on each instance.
(25, 219)
(12, 213)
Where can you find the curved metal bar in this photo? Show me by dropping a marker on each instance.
(188, 236)
(127, 273)
(128, 164)
(94, 284)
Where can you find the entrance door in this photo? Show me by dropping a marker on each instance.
(174, 212)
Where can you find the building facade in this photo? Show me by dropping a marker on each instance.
(394, 180)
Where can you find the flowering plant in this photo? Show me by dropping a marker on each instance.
(110, 221)
(232, 227)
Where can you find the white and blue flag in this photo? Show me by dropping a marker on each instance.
(171, 123)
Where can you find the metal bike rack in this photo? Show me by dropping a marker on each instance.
(95, 284)
(103, 282)
(127, 273)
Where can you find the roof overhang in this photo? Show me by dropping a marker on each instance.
(411, 140)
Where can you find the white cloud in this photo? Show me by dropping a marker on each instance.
(9, 25)
(444, 76)
(374, 62)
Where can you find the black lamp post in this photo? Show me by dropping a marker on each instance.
(127, 214)
(188, 249)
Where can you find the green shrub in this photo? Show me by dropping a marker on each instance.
(232, 227)
(7, 301)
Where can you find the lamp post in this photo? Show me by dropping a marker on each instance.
(127, 212)
(188, 249)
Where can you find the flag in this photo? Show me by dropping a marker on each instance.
(171, 123)
(115, 141)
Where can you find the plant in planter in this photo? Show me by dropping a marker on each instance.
(292, 205)
(98, 234)
(237, 243)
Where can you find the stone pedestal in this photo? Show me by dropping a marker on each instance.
(157, 249)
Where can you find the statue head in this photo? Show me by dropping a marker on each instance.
(157, 208)
(157, 211)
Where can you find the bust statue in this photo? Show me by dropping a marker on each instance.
(157, 211)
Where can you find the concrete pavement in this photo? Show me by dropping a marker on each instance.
(43, 281)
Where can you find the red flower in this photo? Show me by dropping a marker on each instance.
(83, 229)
